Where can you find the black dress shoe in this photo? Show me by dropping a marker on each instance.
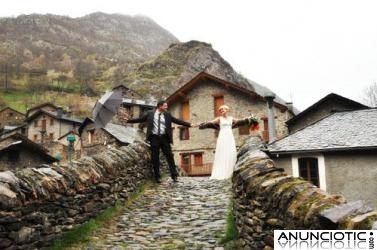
(175, 179)
(158, 180)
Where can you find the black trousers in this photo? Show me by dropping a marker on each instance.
(157, 143)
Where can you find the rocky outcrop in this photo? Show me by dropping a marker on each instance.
(38, 204)
(267, 199)
(111, 36)
(178, 64)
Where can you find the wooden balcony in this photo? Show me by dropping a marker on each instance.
(197, 170)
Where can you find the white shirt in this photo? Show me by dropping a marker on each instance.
(155, 123)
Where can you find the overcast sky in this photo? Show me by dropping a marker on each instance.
(302, 50)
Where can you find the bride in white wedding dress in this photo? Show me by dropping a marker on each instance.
(225, 153)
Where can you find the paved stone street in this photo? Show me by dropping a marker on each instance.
(190, 214)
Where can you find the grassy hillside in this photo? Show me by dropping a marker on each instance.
(81, 106)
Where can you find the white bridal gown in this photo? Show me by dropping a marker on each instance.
(226, 153)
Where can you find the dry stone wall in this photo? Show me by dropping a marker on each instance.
(38, 204)
(267, 199)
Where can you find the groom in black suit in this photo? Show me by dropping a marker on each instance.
(159, 134)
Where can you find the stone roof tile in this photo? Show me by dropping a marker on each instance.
(339, 131)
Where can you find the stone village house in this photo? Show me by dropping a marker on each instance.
(127, 92)
(132, 105)
(10, 119)
(198, 100)
(329, 104)
(338, 153)
(17, 151)
(47, 126)
(47, 106)
(94, 140)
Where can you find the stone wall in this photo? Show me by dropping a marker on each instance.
(38, 204)
(268, 199)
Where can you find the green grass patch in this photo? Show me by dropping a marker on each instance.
(231, 232)
(17, 100)
(82, 234)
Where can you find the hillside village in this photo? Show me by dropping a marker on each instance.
(49, 87)
(48, 134)
(193, 78)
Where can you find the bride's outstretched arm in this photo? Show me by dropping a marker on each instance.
(211, 124)
(215, 121)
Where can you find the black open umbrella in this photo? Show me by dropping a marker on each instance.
(106, 107)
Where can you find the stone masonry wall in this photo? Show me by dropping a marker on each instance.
(38, 204)
(267, 199)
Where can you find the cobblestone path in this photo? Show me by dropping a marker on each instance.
(190, 214)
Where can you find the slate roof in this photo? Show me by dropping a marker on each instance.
(332, 97)
(1, 110)
(64, 117)
(18, 140)
(348, 130)
(122, 133)
(40, 106)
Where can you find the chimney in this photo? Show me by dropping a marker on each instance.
(289, 106)
(59, 112)
(271, 116)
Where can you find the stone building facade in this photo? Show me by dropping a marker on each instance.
(44, 126)
(198, 101)
(95, 140)
(10, 117)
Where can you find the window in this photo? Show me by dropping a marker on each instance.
(185, 111)
(184, 133)
(51, 136)
(218, 101)
(91, 136)
(51, 122)
(35, 137)
(10, 114)
(308, 169)
(186, 159)
(44, 125)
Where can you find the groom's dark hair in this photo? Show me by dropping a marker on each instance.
(160, 103)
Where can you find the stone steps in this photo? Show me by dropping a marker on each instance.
(190, 214)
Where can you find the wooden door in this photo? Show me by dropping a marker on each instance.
(198, 159)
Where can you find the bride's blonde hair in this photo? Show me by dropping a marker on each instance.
(224, 107)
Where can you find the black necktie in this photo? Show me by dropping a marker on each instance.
(159, 123)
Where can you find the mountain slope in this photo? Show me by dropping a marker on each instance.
(110, 50)
(50, 42)
(177, 65)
